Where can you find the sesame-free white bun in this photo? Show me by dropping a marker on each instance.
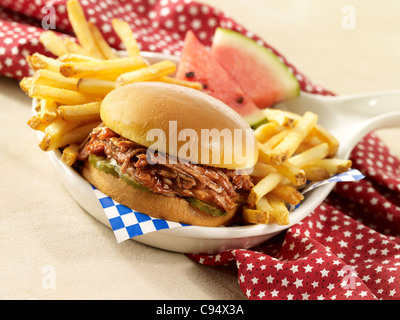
(182, 114)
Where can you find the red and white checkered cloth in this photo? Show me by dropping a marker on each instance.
(348, 248)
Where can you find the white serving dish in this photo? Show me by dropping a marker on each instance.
(194, 239)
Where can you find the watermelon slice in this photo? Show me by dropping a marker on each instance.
(259, 71)
(197, 64)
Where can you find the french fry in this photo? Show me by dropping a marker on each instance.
(53, 43)
(286, 148)
(180, 82)
(26, 83)
(264, 186)
(58, 95)
(264, 205)
(70, 154)
(306, 157)
(48, 110)
(94, 69)
(38, 61)
(61, 133)
(255, 216)
(264, 132)
(264, 153)
(284, 119)
(54, 79)
(37, 123)
(288, 194)
(74, 47)
(75, 57)
(276, 139)
(280, 212)
(105, 49)
(325, 136)
(262, 169)
(95, 87)
(153, 72)
(81, 29)
(89, 112)
(293, 173)
(124, 32)
(90, 86)
(324, 168)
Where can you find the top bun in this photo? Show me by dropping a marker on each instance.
(179, 121)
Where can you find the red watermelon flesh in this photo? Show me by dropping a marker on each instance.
(259, 72)
(197, 64)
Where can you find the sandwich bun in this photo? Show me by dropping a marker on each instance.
(135, 109)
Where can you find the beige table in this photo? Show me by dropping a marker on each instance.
(50, 248)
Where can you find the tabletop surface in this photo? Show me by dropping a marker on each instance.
(44, 232)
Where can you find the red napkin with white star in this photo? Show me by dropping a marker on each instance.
(347, 248)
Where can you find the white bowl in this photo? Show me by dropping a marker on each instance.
(188, 239)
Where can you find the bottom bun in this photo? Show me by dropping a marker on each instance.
(155, 205)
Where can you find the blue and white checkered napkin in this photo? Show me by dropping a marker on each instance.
(127, 223)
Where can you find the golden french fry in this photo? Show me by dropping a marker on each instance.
(54, 79)
(81, 29)
(180, 82)
(288, 194)
(70, 153)
(264, 132)
(39, 61)
(264, 153)
(263, 187)
(26, 83)
(286, 148)
(264, 205)
(293, 173)
(306, 157)
(324, 168)
(61, 133)
(255, 216)
(59, 95)
(149, 73)
(276, 139)
(37, 123)
(124, 32)
(75, 48)
(316, 173)
(279, 212)
(89, 112)
(53, 43)
(95, 69)
(95, 87)
(90, 86)
(48, 110)
(262, 169)
(105, 49)
(284, 119)
(75, 57)
(325, 136)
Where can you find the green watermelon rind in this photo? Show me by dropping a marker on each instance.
(285, 76)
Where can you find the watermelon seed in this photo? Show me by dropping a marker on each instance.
(239, 100)
(189, 74)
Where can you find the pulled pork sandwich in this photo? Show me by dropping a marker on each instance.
(170, 152)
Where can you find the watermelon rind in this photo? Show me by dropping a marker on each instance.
(282, 74)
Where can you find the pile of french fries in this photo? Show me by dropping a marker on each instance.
(293, 149)
(69, 88)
